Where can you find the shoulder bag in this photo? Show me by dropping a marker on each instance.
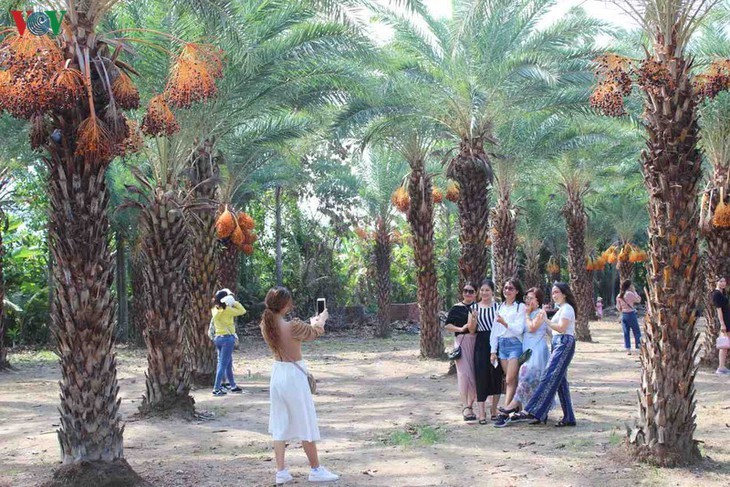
(310, 378)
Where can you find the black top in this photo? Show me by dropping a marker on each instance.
(720, 300)
(485, 317)
(459, 316)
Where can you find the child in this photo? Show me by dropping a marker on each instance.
(599, 308)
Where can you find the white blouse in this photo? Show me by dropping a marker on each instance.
(565, 311)
(515, 316)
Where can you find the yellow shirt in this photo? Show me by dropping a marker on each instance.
(223, 318)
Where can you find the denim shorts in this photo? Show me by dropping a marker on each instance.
(509, 348)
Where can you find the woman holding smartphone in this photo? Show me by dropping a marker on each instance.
(506, 340)
(531, 371)
(292, 415)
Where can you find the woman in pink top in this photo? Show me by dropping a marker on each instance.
(625, 302)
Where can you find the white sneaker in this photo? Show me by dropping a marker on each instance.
(283, 477)
(321, 474)
(722, 371)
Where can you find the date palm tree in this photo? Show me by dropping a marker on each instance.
(714, 43)
(716, 255)
(73, 89)
(381, 172)
(489, 61)
(672, 167)
(504, 225)
(575, 184)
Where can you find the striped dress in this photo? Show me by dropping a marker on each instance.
(488, 378)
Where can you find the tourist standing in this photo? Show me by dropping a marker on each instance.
(722, 307)
(555, 378)
(506, 343)
(625, 302)
(534, 339)
(488, 378)
(224, 312)
(457, 323)
(291, 416)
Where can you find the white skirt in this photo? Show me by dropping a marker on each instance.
(291, 416)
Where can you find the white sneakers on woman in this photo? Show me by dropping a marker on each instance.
(283, 476)
(319, 474)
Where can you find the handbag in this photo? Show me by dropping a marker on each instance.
(310, 378)
(455, 353)
(524, 357)
(723, 342)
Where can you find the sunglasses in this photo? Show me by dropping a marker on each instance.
(509, 288)
(469, 291)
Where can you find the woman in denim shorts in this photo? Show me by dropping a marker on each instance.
(508, 340)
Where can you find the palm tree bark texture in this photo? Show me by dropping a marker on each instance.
(472, 170)
(228, 261)
(137, 304)
(83, 314)
(625, 270)
(504, 236)
(716, 262)
(420, 218)
(203, 266)
(672, 167)
(166, 247)
(382, 255)
(576, 221)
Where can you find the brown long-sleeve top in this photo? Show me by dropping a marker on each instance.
(291, 335)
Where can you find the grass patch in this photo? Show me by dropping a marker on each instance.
(415, 435)
(616, 438)
(36, 357)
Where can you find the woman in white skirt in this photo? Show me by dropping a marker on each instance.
(292, 415)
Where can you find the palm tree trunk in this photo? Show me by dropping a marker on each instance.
(228, 265)
(382, 255)
(137, 308)
(420, 218)
(504, 237)
(165, 245)
(625, 270)
(672, 167)
(277, 222)
(576, 221)
(533, 277)
(203, 267)
(90, 435)
(471, 169)
(121, 282)
(716, 263)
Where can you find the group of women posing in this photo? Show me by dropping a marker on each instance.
(492, 336)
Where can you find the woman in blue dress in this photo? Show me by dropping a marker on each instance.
(534, 339)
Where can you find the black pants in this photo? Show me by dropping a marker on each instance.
(488, 378)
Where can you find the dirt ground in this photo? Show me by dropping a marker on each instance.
(387, 419)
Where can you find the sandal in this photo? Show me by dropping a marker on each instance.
(535, 421)
(509, 411)
(562, 423)
(483, 421)
(469, 417)
(494, 417)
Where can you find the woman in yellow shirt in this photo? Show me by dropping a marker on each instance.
(224, 312)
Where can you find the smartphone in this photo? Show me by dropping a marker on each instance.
(321, 305)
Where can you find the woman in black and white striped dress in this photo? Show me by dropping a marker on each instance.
(488, 378)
